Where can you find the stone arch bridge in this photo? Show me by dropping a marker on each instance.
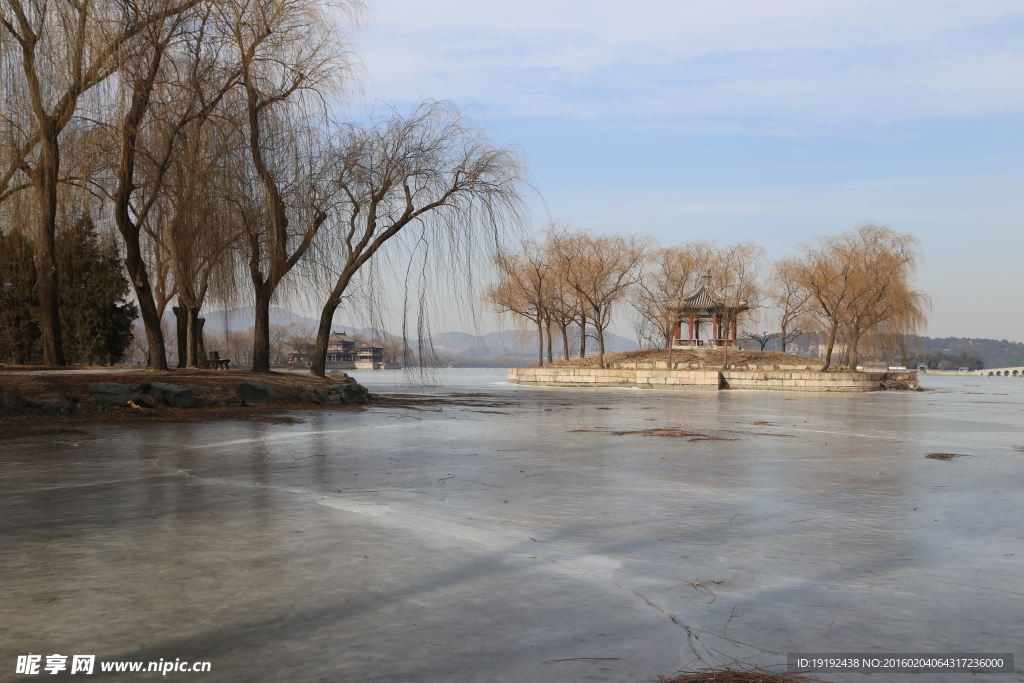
(1001, 372)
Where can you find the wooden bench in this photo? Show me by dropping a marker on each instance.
(213, 361)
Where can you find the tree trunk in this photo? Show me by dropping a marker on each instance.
(200, 336)
(181, 327)
(854, 341)
(583, 335)
(261, 329)
(831, 344)
(725, 343)
(318, 365)
(600, 346)
(540, 343)
(564, 329)
(45, 179)
(136, 267)
(783, 337)
(192, 321)
(134, 263)
(550, 353)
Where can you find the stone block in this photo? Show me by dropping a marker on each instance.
(172, 395)
(54, 403)
(257, 393)
(112, 388)
(350, 392)
(316, 395)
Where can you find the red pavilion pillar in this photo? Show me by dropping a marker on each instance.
(690, 334)
(714, 330)
(734, 332)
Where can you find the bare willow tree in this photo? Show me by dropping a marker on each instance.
(432, 171)
(524, 289)
(826, 272)
(561, 309)
(53, 53)
(860, 283)
(289, 60)
(600, 269)
(170, 85)
(883, 300)
(789, 299)
(736, 270)
(669, 274)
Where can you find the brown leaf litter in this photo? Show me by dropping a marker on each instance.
(946, 456)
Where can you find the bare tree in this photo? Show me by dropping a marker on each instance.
(432, 171)
(789, 299)
(64, 49)
(522, 289)
(561, 307)
(882, 299)
(761, 338)
(860, 283)
(669, 275)
(736, 272)
(171, 85)
(826, 271)
(288, 59)
(600, 269)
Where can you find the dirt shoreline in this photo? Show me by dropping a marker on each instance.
(219, 388)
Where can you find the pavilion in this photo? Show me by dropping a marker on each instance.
(708, 304)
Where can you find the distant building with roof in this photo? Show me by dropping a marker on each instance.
(345, 352)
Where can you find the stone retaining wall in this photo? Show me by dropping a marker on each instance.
(700, 380)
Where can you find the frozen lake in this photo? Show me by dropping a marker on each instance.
(510, 534)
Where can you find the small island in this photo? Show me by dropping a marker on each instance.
(709, 369)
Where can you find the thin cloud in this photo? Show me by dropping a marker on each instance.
(674, 63)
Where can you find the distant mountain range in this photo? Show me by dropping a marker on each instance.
(241, 319)
(506, 348)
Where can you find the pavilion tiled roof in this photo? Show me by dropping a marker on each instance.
(706, 295)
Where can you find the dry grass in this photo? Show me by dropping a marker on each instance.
(710, 357)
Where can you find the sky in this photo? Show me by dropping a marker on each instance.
(748, 120)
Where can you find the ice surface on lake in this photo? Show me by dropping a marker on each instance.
(509, 534)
